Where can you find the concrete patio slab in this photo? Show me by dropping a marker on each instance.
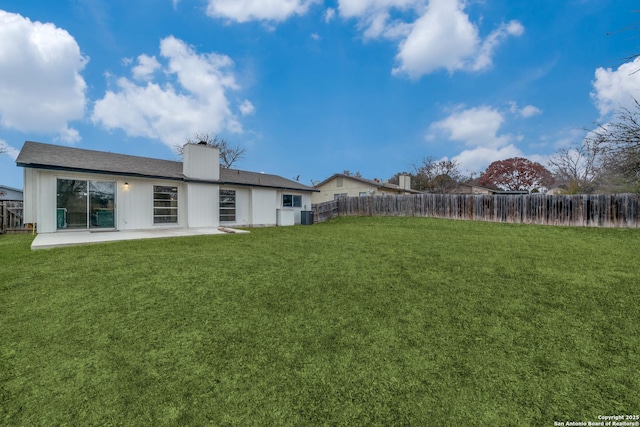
(73, 238)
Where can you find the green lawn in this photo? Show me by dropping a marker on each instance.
(359, 321)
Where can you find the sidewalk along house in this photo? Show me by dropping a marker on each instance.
(340, 185)
(76, 189)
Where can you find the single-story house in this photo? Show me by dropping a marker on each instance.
(69, 188)
(339, 185)
(10, 194)
(472, 189)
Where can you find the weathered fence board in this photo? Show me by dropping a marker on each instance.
(325, 211)
(593, 210)
(11, 217)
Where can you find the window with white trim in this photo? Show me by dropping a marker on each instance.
(227, 205)
(291, 201)
(165, 204)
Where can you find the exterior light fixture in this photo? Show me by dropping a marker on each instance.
(126, 185)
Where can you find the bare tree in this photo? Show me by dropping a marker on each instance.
(619, 145)
(229, 154)
(578, 167)
(436, 176)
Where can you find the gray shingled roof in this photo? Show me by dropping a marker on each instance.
(57, 157)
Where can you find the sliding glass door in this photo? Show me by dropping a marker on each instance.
(102, 197)
(83, 204)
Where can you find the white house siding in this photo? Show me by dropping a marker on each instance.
(201, 162)
(45, 196)
(264, 205)
(133, 205)
(202, 205)
(30, 196)
(306, 204)
(243, 206)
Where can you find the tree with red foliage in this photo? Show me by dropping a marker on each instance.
(516, 174)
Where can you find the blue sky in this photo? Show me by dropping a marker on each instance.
(313, 87)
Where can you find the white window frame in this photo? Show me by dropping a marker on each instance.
(228, 208)
(173, 204)
(295, 201)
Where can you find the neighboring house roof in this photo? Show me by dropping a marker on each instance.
(459, 189)
(56, 157)
(10, 193)
(6, 187)
(372, 182)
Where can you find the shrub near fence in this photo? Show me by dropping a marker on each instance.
(597, 210)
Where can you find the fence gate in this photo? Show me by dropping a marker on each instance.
(11, 217)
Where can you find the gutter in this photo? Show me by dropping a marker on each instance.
(171, 178)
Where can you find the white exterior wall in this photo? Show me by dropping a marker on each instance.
(243, 206)
(264, 205)
(198, 203)
(202, 205)
(201, 162)
(306, 204)
(29, 197)
(133, 205)
(46, 202)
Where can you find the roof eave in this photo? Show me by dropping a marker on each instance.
(101, 172)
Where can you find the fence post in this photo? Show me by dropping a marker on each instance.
(3, 226)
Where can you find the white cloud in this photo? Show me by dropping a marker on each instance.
(474, 126)
(260, 10)
(524, 112)
(329, 14)
(171, 110)
(441, 37)
(432, 34)
(529, 111)
(68, 135)
(484, 57)
(615, 89)
(147, 65)
(41, 89)
(444, 37)
(477, 159)
(8, 150)
(247, 108)
(315, 36)
(363, 8)
(479, 129)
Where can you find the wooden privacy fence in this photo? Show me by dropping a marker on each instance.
(325, 211)
(11, 220)
(595, 210)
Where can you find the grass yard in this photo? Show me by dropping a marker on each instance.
(359, 321)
